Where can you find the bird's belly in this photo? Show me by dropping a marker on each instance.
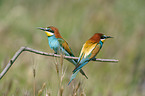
(54, 45)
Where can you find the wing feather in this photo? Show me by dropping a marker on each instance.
(65, 45)
(67, 50)
(88, 53)
(95, 51)
(86, 50)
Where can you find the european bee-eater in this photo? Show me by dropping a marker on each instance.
(59, 45)
(89, 51)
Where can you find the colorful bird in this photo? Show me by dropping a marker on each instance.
(59, 45)
(89, 51)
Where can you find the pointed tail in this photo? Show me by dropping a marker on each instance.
(74, 62)
(73, 76)
(83, 73)
(79, 66)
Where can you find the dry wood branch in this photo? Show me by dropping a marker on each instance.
(45, 54)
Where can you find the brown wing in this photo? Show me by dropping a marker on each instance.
(95, 51)
(65, 45)
(87, 49)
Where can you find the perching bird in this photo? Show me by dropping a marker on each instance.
(59, 45)
(89, 51)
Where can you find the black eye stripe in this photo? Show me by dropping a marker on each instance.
(103, 37)
(50, 30)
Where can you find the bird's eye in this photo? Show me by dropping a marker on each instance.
(103, 37)
(50, 30)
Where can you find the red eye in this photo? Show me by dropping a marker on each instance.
(50, 30)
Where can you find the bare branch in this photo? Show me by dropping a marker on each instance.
(45, 54)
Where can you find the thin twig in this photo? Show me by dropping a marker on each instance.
(45, 54)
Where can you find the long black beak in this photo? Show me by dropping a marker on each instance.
(109, 37)
(44, 29)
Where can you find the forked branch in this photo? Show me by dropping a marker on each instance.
(45, 54)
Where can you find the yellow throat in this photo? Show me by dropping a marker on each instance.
(49, 33)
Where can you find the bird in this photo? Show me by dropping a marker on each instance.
(59, 45)
(89, 51)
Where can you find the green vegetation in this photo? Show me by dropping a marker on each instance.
(77, 21)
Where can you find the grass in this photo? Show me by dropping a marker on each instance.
(77, 21)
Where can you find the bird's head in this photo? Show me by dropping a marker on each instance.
(50, 30)
(99, 36)
(104, 37)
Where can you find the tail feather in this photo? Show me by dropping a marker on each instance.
(73, 76)
(82, 72)
(74, 62)
(79, 66)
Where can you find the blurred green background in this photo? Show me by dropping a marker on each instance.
(77, 21)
